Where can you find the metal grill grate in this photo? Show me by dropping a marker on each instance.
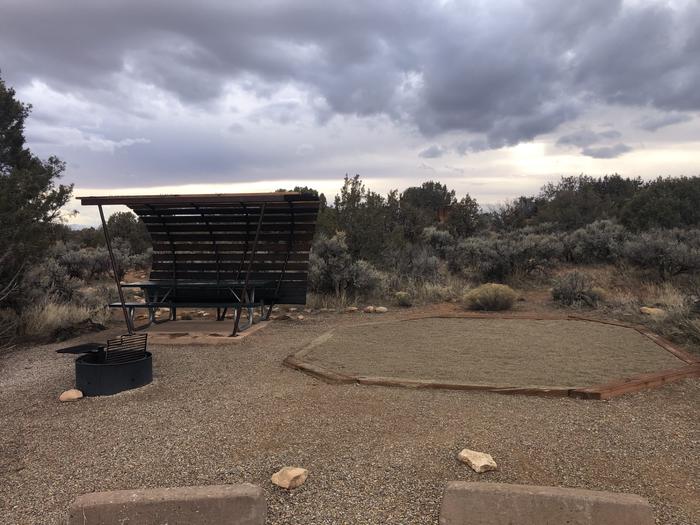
(126, 348)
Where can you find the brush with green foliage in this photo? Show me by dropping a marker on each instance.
(576, 288)
(403, 299)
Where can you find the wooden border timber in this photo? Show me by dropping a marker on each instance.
(602, 391)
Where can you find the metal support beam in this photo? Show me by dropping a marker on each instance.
(127, 318)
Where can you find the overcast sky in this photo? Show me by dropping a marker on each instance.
(490, 97)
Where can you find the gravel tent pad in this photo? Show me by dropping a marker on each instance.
(518, 352)
(218, 414)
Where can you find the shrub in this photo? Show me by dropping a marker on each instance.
(403, 299)
(502, 256)
(438, 240)
(669, 252)
(332, 270)
(9, 321)
(330, 264)
(490, 297)
(366, 279)
(599, 241)
(418, 263)
(575, 288)
(50, 279)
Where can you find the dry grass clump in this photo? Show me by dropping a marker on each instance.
(490, 296)
(664, 295)
(44, 319)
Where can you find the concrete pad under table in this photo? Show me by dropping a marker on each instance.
(204, 331)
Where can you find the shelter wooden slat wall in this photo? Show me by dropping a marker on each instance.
(210, 238)
(214, 242)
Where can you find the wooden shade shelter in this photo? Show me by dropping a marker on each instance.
(220, 250)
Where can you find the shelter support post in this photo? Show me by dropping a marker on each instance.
(108, 240)
(246, 295)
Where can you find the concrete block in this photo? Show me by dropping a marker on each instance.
(217, 504)
(466, 503)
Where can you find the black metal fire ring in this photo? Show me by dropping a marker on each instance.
(104, 379)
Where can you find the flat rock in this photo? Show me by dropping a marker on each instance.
(368, 309)
(290, 477)
(380, 310)
(292, 309)
(283, 317)
(351, 309)
(653, 312)
(478, 461)
(300, 317)
(70, 395)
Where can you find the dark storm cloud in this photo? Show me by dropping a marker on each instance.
(661, 121)
(432, 152)
(504, 71)
(606, 152)
(587, 137)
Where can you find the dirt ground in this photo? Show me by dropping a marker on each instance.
(511, 352)
(233, 413)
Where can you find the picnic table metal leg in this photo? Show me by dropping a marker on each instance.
(236, 321)
(221, 314)
(251, 308)
(266, 315)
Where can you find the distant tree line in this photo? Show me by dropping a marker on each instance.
(574, 202)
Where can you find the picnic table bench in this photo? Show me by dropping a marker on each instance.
(222, 251)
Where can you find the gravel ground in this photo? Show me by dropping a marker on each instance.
(494, 351)
(233, 413)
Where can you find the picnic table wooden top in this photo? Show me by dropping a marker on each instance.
(187, 283)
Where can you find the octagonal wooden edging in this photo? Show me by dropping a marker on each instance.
(602, 391)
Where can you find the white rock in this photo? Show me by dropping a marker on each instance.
(351, 309)
(290, 477)
(292, 309)
(381, 309)
(478, 461)
(70, 395)
(300, 317)
(368, 309)
(654, 312)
